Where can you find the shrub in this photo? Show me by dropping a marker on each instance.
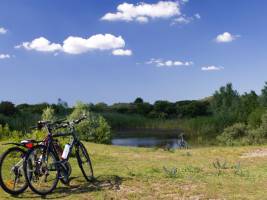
(6, 133)
(255, 136)
(254, 119)
(94, 128)
(48, 114)
(232, 134)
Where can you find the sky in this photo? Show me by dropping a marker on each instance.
(114, 51)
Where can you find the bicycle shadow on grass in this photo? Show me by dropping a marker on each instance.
(79, 186)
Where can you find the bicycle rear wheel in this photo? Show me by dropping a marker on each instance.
(84, 162)
(40, 168)
(12, 178)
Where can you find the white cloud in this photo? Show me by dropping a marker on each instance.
(40, 44)
(4, 56)
(76, 45)
(183, 19)
(143, 12)
(3, 30)
(226, 37)
(122, 52)
(197, 16)
(212, 68)
(168, 63)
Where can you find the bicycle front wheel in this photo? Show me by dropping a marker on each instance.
(41, 171)
(84, 162)
(12, 178)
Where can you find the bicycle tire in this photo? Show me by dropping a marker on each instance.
(2, 182)
(25, 167)
(81, 149)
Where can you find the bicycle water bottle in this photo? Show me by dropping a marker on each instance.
(66, 151)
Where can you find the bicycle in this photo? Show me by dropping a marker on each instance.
(181, 143)
(43, 166)
(12, 178)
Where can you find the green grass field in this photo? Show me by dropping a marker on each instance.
(140, 173)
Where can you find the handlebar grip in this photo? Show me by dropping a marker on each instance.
(79, 120)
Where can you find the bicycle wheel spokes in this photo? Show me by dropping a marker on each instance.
(12, 177)
(41, 171)
(84, 162)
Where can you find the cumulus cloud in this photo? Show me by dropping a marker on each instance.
(168, 63)
(143, 12)
(197, 16)
(226, 37)
(77, 45)
(3, 30)
(4, 56)
(212, 68)
(122, 52)
(40, 44)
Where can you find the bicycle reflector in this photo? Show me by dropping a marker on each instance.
(27, 143)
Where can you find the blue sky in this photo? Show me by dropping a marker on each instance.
(119, 50)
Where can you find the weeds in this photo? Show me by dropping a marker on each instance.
(223, 166)
(171, 172)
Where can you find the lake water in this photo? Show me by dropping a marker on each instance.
(147, 138)
(146, 142)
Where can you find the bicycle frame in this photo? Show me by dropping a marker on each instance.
(48, 142)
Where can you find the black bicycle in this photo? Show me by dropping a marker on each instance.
(43, 167)
(12, 178)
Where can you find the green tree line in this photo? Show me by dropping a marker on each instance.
(227, 116)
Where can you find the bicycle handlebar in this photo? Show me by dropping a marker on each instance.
(57, 124)
(43, 123)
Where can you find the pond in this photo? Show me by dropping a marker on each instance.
(147, 138)
(146, 142)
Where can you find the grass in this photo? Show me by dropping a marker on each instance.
(130, 121)
(150, 173)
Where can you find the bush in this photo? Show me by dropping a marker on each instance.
(94, 128)
(6, 133)
(254, 119)
(255, 136)
(48, 114)
(232, 135)
(7, 108)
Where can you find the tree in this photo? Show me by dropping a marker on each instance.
(164, 108)
(143, 108)
(191, 108)
(7, 108)
(95, 128)
(138, 100)
(263, 96)
(48, 114)
(62, 103)
(99, 107)
(248, 103)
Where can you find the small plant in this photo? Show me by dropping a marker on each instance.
(239, 171)
(220, 164)
(192, 169)
(171, 172)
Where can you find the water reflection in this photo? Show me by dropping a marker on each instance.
(147, 142)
